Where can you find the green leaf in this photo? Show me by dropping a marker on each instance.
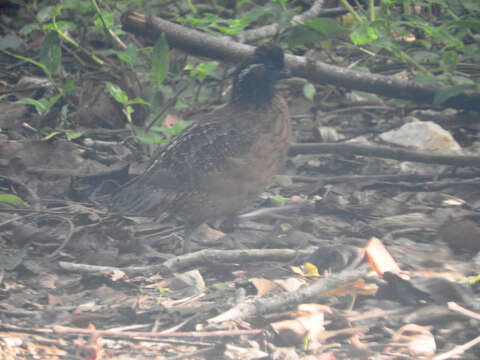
(280, 199)
(63, 26)
(472, 5)
(51, 135)
(179, 126)
(301, 35)
(425, 57)
(443, 95)
(12, 200)
(130, 55)
(72, 135)
(82, 6)
(450, 59)
(366, 96)
(57, 10)
(191, 6)
(284, 18)
(64, 113)
(201, 71)
(221, 286)
(53, 100)
(327, 27)
(160, 59)
(472, 280)
(128, 110)
(282, 4)
(234, 26)
(157, 98)
(69, 86)
(462, 80)
(41, 105)
(151, 138)
(160, 134)
(45, 14)
(31, 61)
(117, 93)
(108, 19)
(433, 31)
(138, 101)
(309, 91)
(51, 52)
(364, 34)
(427, 79)
(10, 42)
(28, 28)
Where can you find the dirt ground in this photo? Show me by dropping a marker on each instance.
(79, 282)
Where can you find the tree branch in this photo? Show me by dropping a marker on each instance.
(384, 152)
(202, 44)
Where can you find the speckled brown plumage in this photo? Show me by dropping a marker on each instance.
(217, 165)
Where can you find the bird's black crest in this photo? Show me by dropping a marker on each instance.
(270, 55)
(254, 79)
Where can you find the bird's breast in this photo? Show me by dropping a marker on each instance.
(252, 155)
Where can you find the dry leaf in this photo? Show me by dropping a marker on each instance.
(379, 258)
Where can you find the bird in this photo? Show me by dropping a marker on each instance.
(225, 158)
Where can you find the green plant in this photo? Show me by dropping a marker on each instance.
(447, 32)
(279, 199)
(158, 135)
(42, 106)
(208, 20)
(121, 97)
(12, 200)
(69, 134)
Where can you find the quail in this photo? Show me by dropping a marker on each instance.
(225, 158)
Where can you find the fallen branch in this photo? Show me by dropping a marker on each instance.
(202, 44)
(280, 302)
(384, 152)
(191, 260)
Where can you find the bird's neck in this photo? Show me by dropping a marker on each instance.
(258, 95)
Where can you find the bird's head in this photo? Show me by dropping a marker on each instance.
(254, 80)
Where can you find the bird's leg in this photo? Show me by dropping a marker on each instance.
(189, 228)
